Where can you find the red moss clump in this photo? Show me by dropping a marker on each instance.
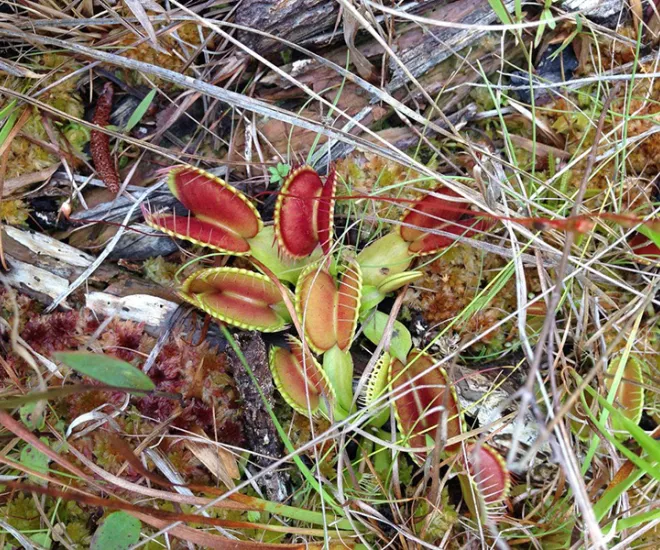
(55, 332)
(123, 339)
(200, 376)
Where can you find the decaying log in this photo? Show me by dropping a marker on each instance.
(423, 49)
(294, 20)
(429, 53)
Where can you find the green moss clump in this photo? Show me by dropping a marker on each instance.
(14, 212)
(160, 271)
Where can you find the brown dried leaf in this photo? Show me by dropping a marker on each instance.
(219, 462)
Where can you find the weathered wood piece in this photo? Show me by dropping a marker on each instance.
(43, 267)
(294, 20)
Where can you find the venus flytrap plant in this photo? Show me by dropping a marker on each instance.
(372, 295)
(300, 379)
(444, 210)
(331, 297)
(375, 389)
(425, 401)
(392, 254)
(222, 217)
(423, 395)
(263, 247)
(485, 480)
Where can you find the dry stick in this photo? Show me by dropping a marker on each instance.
(527, 392)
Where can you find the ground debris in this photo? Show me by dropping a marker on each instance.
(260, 433)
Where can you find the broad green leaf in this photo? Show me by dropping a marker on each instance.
(400, 342)
(27, 416)
(35, 460)
(108, 370)
(140, 110)
(119, 531)
(42, 539)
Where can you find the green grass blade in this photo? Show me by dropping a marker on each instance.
(610, 497)
(140, 110)
(646, 442)
(7, 126)
(7, 108)
(500, 10)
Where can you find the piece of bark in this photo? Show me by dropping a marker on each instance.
(600, 11)
(421, 51)
(295, 20)
(140, 308)
(260, 432)
(142, 244)
(14, 185)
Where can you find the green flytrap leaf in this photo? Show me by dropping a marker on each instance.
(108, 370)
(376, 388)
(400, 342)
(338, 365)
(119, 531)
